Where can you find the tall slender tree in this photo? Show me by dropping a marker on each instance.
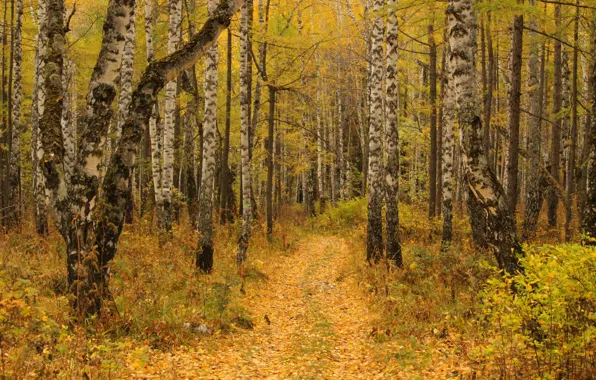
(205, 250)
(485, 191)
(534, 188)
(448, 152)
(244, 134)
(514, 111)
(16, 121)
(37, 110)
(555, 154)
(374, 243)
(391, 128)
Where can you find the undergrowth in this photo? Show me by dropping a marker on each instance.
(161, 301)
(456, 309)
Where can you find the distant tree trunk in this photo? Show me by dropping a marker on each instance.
(37, 110)
(17, 125)
(205, 250)
(484, 189)
(225, 174)
(555, 155)
(439, 198)
(392, 137)
(270, 138)
(245, 73)
(154, 127)
(320, 172)
(589, 211)
(587, 127)
(514, 112)
(449, 109)
(124, 99)
(432, 172)
(374, 246)
(534, 186)
(571, 163)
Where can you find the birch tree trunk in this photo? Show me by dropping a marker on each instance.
(169, 119)
(156, 76)
(154, 127)
(244, 135)
(125, 96)
(484, 189)
(393, 248)
(17, 125)
(449, 109)
(68, 131)
(205, 251)
(76, 201)
(374, 246)
(37, 108)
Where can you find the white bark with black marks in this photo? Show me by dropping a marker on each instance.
(484, 190)
(205, 250)
(393, 247)
(374, 248)
(245, 136)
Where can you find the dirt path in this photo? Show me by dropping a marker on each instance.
(319, 326)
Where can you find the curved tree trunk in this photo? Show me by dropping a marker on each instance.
(156, 76)
(484, 189)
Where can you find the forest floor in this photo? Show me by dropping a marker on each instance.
(305, 306)
(311, 320)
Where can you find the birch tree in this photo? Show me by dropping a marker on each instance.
(109, 216)
(484, 189)
(448, 146)
(244, 135)
(393, 249)
(17, 124)
(374, 243)
(125, 96)
(169, 119)
(37, 110)
(205, 250)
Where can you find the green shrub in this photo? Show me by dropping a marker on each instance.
(344, 215)
(542, 323)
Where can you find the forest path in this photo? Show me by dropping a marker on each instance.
(320, 325)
